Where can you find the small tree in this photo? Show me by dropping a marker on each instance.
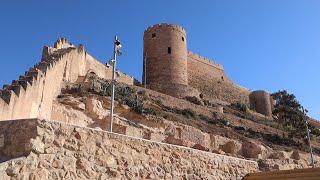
(289, 113)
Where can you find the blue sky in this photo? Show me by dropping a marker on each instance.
(265, 44)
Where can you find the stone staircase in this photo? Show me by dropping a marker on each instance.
(295, 174)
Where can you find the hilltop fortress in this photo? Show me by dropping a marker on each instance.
(54, 119)
(170, 69)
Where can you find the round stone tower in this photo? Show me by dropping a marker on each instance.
(261, 102)
(165, 59)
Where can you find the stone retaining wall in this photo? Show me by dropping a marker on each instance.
(54, 150)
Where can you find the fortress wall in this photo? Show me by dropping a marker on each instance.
(41, 87)
(105, 72)
(223, 91)
(206, 76)
(200, 67)
(32, 95)
(49, 149)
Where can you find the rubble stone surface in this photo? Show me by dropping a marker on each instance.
(55, 150)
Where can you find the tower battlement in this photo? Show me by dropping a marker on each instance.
(205, 60)
(165, 25)
(62, 43)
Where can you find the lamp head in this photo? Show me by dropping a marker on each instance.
(119, 52)
(117, 43)
(110, 62)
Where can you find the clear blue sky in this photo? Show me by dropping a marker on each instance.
(265, 44)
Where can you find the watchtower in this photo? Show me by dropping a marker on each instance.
(261, 102)
(165, 58)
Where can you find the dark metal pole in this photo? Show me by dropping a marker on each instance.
(308, 135)
(145, 70)
(113, 81)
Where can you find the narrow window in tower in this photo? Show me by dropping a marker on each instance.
(169, 50)
(183, 39)
(222, 78)
(154, 35)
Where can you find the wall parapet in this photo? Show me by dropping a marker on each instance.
(205, 60)
(161, 25)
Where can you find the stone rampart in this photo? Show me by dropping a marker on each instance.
(170, 68)
(211, 80)
(200, 59)
(32, 94)
(55, 150)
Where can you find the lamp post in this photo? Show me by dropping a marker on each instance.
(308, 136)
(116, 51)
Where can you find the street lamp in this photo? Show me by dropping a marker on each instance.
(116, 51)
(308, 136)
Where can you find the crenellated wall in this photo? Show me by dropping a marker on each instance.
(32, 94)
(199, 67)
(211, 80)
(173, 70)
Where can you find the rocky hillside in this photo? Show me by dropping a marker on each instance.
(213, 126)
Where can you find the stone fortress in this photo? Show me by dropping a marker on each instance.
(171, 69)
(47, 132)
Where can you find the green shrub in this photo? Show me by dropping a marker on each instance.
(240, 106)
(188, 113)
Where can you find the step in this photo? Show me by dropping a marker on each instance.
(15, 82)
(29, 79)
(42, 67)
(6, 96)
(5, 86)
(32, 73)
(22, 78)
(16, 89)
(23, 83)
(33, 69)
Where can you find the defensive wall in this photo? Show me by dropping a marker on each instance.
(43, 149)
(172, 69)
(32, 94)
(199, 66)
(211, 80)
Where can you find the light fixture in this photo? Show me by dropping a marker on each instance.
(119, 53)
(117, 43)
(115, 74)
(118, 74)
(111, 62)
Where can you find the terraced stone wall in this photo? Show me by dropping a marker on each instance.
(55, 150)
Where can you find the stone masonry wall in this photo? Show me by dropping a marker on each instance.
(165, 59)
(261, 102)
(211, 80)
(54, 150)
(32, 94)
(199, 67)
